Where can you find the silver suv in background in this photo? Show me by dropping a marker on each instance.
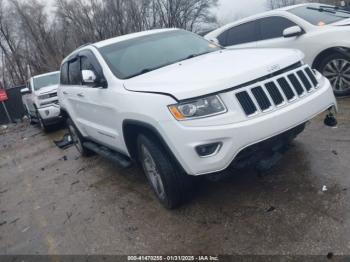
(40, 99)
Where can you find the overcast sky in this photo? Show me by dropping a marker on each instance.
(230, 10)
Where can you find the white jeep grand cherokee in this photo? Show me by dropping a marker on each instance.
(182, 106)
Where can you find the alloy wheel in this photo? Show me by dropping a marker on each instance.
(338, 73)
(152, 172)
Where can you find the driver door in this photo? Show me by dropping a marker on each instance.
(95, 108)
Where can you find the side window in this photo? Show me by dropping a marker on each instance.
(74, 72)
(64, 74)
(241, 34)
(86, 64)
(273, 27)
(222, 38)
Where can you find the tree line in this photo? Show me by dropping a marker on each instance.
(35, 37)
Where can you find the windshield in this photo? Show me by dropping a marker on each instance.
(42, 81)
(144, 54)
(321, 15)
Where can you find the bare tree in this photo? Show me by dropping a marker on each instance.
(30, 37)
(274, 4)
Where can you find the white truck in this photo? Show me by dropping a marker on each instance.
(181, 106)
(41, 101)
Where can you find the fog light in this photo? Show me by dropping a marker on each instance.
(208, 149)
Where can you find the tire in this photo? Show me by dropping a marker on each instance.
(336, 67)
(78, 139)
(41, 123)
(170, 184)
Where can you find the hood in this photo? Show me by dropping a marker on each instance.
(342, 22)
(47, 90)
(213, 72)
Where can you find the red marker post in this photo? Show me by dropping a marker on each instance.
(3, 98)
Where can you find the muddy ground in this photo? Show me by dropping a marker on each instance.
(54, 202)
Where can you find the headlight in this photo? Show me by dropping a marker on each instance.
(202, 107)
(42, 97)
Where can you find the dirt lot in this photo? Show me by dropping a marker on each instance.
(54, 202)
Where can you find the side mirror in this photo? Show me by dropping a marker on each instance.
(215, 41)
(293, 31)
(25, 91)
(88, 76)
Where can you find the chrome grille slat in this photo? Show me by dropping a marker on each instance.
(276, 92)
(261, 98)
(286, 88)
(304, 80)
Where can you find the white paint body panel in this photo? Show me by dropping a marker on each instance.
(99, 113)
(315, 40)
(47, 108)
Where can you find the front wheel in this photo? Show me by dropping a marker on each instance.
(41, 123)
(336, 67)
(170, 184)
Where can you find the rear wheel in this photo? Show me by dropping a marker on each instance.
(336, 67)
(170, 184)
(77, 139)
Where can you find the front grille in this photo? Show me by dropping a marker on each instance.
(52, 95)
(246, 102)
(311, 76)
(261, 98)
(304, 79)
(286, 88)
(272, 93)
(296, 84)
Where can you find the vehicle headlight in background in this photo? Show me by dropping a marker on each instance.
(42, 97)
(202, 107)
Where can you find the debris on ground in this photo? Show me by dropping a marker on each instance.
(330, 255)
(14, 221)
(25, 230)
(271, 209)
(324, 189)
(3, 127)
(65, 158)
(3, 223)
(75, 182)
(334, 152)
(4, 191)
(65, 142)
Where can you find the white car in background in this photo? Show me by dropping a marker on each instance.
(40, 99)
(322, 32)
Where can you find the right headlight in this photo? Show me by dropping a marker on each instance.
(198, 108)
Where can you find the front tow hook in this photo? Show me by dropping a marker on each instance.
(331, 119)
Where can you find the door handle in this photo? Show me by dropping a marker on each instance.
(80, 94)
(65, 93)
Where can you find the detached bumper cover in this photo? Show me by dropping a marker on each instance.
(50, 114)
(235, 137)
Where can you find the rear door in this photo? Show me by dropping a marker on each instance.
(241, 36)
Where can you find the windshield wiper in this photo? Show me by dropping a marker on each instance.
(336, 8)
(320, 9)
(195, 55)
(146, 70)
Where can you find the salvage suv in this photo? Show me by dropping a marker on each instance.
(41, 101)
(181, 106)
